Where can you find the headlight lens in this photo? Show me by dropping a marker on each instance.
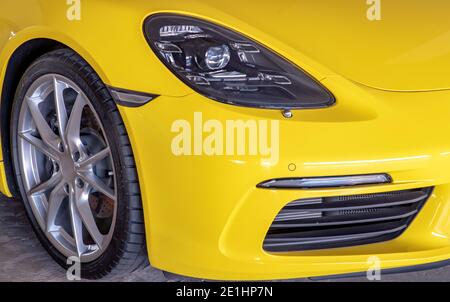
(228, 67)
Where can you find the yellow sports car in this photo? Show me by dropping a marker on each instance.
(234, 141)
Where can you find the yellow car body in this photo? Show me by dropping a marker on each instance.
(204, 215)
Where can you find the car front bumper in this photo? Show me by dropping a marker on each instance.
(206, 218)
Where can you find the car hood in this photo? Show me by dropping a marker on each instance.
(407, 50)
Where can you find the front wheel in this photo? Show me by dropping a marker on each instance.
(74, 167)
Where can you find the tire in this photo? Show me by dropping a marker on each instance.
(126, 249)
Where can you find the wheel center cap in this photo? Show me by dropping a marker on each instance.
(68, 169)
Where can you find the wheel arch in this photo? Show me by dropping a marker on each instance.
(22, 56)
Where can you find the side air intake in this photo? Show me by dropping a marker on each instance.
(330, 222)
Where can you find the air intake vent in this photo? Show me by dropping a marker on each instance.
(330, 222)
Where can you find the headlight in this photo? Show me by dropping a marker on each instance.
(226, 66)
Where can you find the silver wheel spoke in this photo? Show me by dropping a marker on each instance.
(98, 184)
(77, 226)
(39, 145)
(60, 106)
(82, 201)
(46, 185)
(74, 125)
(54, 203)
(92, 160)
(46, 133)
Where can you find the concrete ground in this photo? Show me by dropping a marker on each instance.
(22, 258)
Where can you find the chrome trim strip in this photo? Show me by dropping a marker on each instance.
(272, 242)
(300, 224)
(325, 182)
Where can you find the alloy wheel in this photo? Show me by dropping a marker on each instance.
(67, 167)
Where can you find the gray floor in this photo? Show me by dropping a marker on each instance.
(23, 259)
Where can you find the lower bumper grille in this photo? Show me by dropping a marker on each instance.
(330, 222)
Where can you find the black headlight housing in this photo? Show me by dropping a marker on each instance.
(228, 67)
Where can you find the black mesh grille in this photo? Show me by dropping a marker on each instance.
(329, 222)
